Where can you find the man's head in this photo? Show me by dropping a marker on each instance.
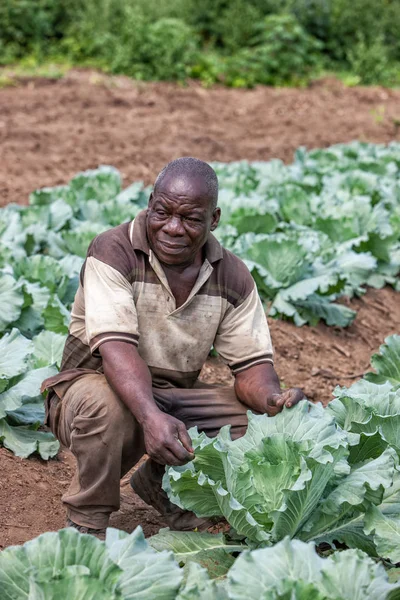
(182, 210)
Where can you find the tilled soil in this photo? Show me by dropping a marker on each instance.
(51, 130)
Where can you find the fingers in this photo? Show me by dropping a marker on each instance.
(274, 405)
(170, 443)
(171, 453)
(277, 400)
(185, 439)
(165, 457)
(181, 444)
(179, 451)
(287, 398)
(293, 396)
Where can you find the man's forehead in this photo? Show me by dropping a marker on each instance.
(183, 186)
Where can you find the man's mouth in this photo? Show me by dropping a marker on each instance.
(171, 246)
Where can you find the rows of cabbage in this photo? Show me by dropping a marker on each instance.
(42, 248)
(68, 564)
(319, 229)
(310, 232)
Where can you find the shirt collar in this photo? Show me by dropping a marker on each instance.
(139, 239)
(213, 249)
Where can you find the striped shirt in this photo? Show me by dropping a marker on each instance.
(124, 295)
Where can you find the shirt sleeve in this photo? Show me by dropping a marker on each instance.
(110, 311)
(243, 339)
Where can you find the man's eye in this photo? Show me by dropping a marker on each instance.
(192, 220)
(161, 213)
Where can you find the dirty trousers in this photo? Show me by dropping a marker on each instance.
(107, 441)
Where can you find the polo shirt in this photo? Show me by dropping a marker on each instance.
(124, 295)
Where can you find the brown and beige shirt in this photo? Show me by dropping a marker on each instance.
(124, 295)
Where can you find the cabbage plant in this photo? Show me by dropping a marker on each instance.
(289, 475)
(24, 364)
(291, 570)
(68, 564)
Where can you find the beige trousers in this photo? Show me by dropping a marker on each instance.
(107, 441)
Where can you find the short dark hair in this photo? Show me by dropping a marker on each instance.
(191, 167)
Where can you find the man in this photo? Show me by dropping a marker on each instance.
(154, 296)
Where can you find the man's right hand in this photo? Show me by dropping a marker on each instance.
(167, 440)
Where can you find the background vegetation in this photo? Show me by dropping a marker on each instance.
(236, 42)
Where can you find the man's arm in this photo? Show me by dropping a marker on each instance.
(258, 387)
(166, 438)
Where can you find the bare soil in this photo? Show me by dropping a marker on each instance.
(51, 130)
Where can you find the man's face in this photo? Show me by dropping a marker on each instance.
(179, 219)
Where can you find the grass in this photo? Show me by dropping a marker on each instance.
(6, 80)
(30, 67)
(58, 66)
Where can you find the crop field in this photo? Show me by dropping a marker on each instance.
(320, 232)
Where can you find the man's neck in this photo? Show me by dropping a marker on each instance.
(182, 278)
(184, 267)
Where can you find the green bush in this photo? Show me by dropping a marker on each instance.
(281, 53)
(351, 20)
(314, 16)
(371, 62)
(169, 50)
(238, 42)
(94, 27)
(27, 25)
(228, 24)
(124, 40)
(341, 23)
(209, 68)
(237, 23)
(205, 18)
(391, 27)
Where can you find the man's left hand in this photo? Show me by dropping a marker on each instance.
(258, 387)
(287, 398)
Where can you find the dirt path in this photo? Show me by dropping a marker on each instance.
(49, 131)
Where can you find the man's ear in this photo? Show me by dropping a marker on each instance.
(215, 219)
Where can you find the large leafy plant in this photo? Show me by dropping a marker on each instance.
(290, 475)
(324, 475)
(281, 52)
(24, 364)
(291, 570)
(387, 362)
(67, 564)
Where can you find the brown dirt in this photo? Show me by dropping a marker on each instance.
(49, 131)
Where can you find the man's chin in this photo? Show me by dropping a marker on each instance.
(171, 260)
(172, 256)
(174, 260)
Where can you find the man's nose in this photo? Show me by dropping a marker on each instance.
(174, 227)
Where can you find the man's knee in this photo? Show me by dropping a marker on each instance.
(210, 409)
(92, 406)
